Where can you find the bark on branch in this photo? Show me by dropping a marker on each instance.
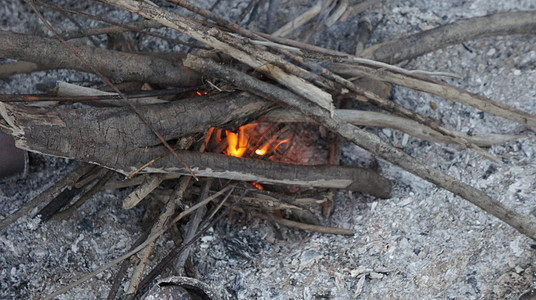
(115, 65)
(115, 138)
(436, 87)
(395, 51)
(90, 130)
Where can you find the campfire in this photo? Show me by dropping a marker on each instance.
(263, 141)
(277, 142)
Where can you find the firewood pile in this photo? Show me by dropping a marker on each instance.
(234, 125)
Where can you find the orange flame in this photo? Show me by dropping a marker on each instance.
(237, 143)
(249, 138)
(258, 186)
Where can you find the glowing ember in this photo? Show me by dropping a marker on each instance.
(260, 152)
(263, 149)
(258, 186)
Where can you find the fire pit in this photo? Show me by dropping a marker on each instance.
(165, 146)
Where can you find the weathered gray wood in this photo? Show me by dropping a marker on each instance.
(115, 65)
(115, 138)
(397, 50)
(94, 131)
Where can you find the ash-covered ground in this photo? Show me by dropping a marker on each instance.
(423, 243)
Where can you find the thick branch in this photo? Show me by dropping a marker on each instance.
(89, 130)
(117, 139)
(395, 51)
(117, 66)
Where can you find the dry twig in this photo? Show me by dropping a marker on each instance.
(65, 183)
(395, 51)
(159, 224)
(376, 119)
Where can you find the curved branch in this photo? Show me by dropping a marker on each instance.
(397, 50)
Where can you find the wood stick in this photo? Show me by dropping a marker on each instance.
(395, 51)
(117, 66)
(121, 126)
(363, 33)
(144, 189)
(303, 226)
(65, 89)
(376, 119)
(300, 20)
(436, 87)
(159, 224)
(67, 182)
(370, 142)
(192, 226)
(337, 13)
(119, 184)
(118, 278)
(18, 67)
(111, 137)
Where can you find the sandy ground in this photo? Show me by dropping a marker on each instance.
(423, 243)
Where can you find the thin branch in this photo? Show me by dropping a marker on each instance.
(300, 20)
(164, 216)
(303, 226)
(134, 181)
(67, 182)
(118, 66)
(192, 226)
(435, 87)
(86, 196)
(248, 10)
(124, 268)
(144, 189)
(376, 119)
(508, 23)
